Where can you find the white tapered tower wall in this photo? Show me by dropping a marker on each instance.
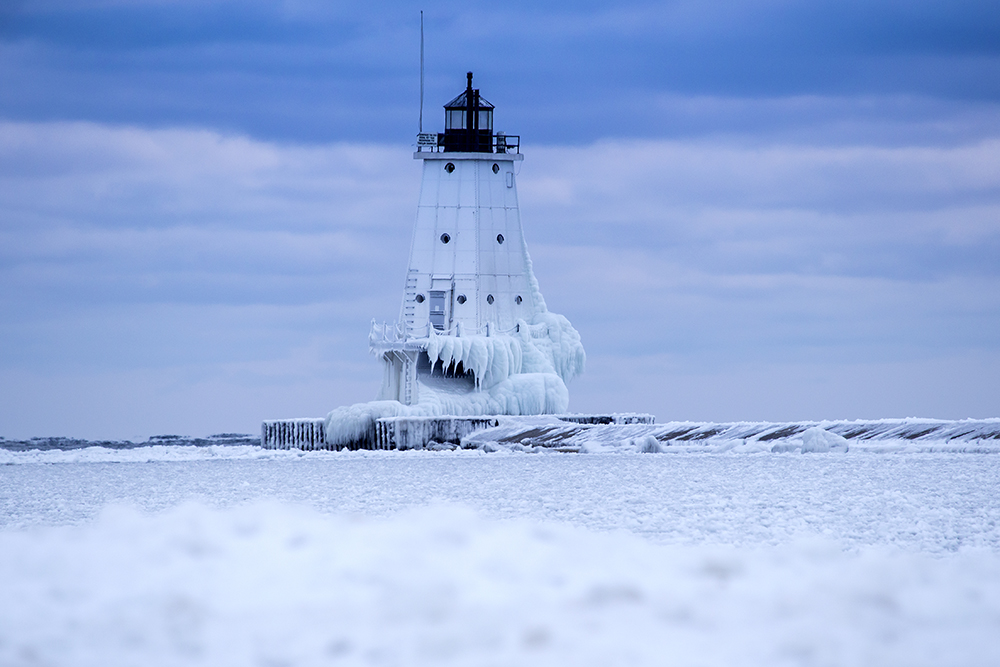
(467, 254)
(467, 244)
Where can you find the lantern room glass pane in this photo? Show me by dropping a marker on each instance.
(485, 120)
(454, 120)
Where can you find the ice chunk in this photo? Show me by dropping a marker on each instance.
(816, 439)
(647, 445)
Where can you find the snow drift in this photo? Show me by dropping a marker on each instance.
(276, 584)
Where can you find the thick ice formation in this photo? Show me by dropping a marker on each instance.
(523, 372)
(492, 359)
(550, 346)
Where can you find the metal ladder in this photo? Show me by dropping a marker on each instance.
(409, 304)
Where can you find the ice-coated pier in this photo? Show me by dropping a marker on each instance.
(414, 432)
(304, 433)
(638, 432)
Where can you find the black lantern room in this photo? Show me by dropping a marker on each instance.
(468, 122)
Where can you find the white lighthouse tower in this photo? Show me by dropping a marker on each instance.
(468, 272)
(474, 335)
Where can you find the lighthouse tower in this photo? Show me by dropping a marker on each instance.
(468, 273)
(474, 335)
(468, 270)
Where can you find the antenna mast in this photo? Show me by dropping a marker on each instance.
(421, 71)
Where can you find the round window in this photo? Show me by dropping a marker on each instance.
(445, 238)
(461, 298)
(489, 299)
(450, 167)
(500, 238)
(518, 299)
(419, 298)
(496, 168)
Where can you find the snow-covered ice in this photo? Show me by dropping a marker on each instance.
(467, 558)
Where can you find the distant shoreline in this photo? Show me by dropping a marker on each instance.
(65, 444)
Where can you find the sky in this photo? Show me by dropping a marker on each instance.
(783, 210)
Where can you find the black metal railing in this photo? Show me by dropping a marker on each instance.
(499, 143)
(506, 143)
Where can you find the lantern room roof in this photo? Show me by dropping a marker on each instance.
(461, 102)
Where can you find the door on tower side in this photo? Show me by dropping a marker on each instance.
(437, 309)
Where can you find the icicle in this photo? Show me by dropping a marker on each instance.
(447, 352)
(478, 357)
(433, 346)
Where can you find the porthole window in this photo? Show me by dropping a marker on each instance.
(500, 239)
(461, 298)
(419, 298)
(489, 299)
(496, 168)
(518, 299)
(445, 238)
(450, 167)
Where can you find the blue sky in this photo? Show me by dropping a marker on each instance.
(750, 210)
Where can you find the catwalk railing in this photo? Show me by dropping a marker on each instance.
(392, 335)
(500, 143)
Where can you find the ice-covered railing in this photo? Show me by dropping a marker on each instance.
(383, 334)
(388, 335)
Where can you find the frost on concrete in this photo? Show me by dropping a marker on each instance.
(879, 435)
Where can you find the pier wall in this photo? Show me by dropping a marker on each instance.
(409, 432)
(305, 433)
(424, 432)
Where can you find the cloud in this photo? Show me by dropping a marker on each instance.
(950, 386)
(219, 270)
(777, 176)
(112, 173)
(916, 212)
(185, 258)
(571, 73)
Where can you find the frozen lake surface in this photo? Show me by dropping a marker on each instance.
(237, 556)
(933, 503)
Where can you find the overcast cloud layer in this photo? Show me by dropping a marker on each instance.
(750, 211)
(562, 73)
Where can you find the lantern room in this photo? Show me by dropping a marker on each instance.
(468, 122)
